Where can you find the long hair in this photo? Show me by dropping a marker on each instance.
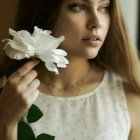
(117, 53)
(41, 13)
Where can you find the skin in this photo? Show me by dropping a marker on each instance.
(18, 95)
(23, 90)
(82, 19)
(94, 20)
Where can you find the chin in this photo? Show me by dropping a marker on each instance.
(88, 56)
(91, 57)
(92, 54)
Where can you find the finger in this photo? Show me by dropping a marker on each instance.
(25, 69)
(28, 78)
(32, 86)
(34, 95)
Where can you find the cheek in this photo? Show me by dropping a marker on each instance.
(68, 26)
(106, 22)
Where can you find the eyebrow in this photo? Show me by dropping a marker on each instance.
(104, 1)
(99, 0)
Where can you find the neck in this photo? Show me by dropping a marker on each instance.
(75, 71)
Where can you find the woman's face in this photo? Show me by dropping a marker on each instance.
(85, 24)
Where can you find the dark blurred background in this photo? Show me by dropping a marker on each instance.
(8, 10)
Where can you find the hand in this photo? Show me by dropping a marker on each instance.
(19, 93)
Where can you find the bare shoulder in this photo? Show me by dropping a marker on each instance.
(133, 101)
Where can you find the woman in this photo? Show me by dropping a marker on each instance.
(97, 95)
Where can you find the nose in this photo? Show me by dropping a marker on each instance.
(93, 21)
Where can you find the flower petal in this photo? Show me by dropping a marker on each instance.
(59, 52)
(46, 57)
(12, 32)
(60, 59)
(38, 31)
(49, 57)
(40, 44)
(61, 65)
(45, 43)
(15, 54)
(17, 46)
(52, 67)
(24, 39)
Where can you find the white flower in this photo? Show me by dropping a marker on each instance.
(39, 44)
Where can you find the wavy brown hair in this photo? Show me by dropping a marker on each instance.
(117, 54)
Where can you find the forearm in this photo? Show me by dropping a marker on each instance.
(8, 132)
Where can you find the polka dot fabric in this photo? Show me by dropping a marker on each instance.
(100, 114)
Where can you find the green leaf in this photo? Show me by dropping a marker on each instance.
(34, 114)
(45, 137)
(25, 131)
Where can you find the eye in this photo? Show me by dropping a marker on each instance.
(77, 7)
(105, 8)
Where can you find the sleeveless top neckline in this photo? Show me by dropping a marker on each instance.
(87, 94)
(101, 114)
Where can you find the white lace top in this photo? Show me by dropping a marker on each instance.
(100, 114)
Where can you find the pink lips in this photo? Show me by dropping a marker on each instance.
(92, 40)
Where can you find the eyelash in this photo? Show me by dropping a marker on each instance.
(81, 7)
(105, 8)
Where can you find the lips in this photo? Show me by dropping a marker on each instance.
(92, 40)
